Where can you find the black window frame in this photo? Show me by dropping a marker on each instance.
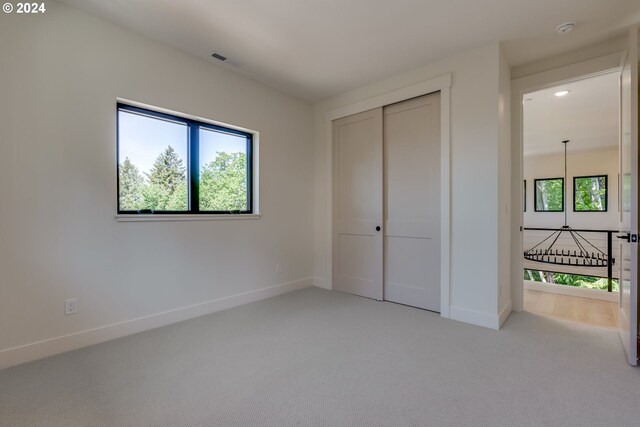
(606, 192)
(193, 162)
(524, 198)
(535, 194)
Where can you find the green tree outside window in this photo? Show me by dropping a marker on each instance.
(549, 195)
(590, 193)
(223, 184)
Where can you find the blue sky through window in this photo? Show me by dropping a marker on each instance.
(212, 142)
(142, 139)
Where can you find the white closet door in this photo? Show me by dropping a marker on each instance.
(357, 204)
(412, 202)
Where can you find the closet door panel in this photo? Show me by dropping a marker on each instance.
(357, 204)
(412, 202)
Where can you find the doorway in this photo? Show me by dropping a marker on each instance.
(571, 206)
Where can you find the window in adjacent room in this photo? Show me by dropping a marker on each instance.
(549, 195)
(590, 193)
(169, 164)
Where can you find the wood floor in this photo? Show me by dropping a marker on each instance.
(576, 309)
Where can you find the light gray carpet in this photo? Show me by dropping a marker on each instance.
(320, 358)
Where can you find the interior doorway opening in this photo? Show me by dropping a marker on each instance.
(571, 182)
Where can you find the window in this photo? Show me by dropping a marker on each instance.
(549, 195)
(524, 198)
(173, 165)
(590, 193)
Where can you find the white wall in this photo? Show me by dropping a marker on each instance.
(475, 130)
(612, 46)
(60, 75)
(579, 163)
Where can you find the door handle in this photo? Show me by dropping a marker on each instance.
(626, 237)
(377, 228)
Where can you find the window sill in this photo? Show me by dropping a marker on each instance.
(180, 217)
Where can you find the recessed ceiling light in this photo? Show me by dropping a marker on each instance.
(562, 93)
(565, 27)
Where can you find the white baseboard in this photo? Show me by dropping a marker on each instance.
(505, 312)
(475, 317)
(571, 290)
(321, 282)
(49, 347)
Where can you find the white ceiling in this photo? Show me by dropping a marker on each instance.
(588, 116)
(315, 49)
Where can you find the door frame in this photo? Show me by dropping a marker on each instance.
(440, 84)
(629, 337)
(558, 76)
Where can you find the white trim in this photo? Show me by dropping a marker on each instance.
(504, 313)
(571, 290)
(440, 84)
(184, 115)
(517, 198)
(445, 201)
(477, 318)
(568, 73)
(628, 322)
(320, 282)
(179, 217)
(49, 347)
(428, 86)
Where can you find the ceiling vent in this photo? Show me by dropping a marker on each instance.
(218, 56)
(231, 62)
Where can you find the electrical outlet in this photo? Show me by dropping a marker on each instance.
(278, 268)
(71, 306)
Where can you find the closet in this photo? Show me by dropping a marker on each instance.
(386, 203)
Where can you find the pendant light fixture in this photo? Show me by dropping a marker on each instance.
(582, 254)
